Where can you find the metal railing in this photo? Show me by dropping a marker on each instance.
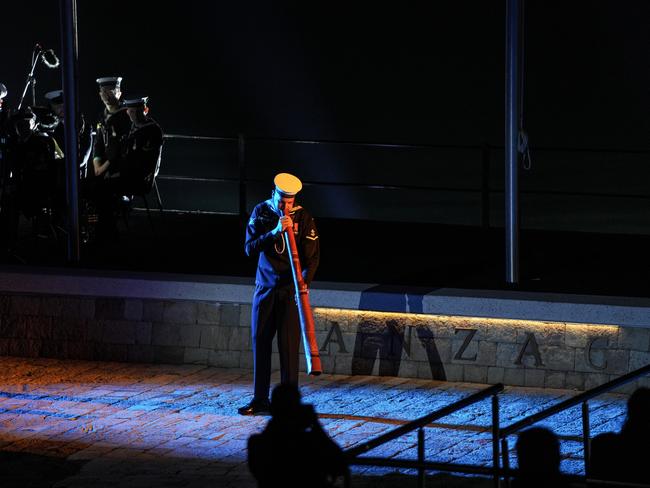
(581, 398)
(486, 156)
(421, 464)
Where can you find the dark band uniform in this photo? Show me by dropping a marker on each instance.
(112, 131)
(274, 304)
(142, 152)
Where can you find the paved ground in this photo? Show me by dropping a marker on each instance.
(81, 424)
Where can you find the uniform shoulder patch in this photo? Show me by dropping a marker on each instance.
(312, 236)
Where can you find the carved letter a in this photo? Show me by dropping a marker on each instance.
(530, 347)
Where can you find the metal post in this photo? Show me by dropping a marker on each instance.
(421, 457)
(513, 18)
(505, 456)
(585, 436)
(241, 159)
(495, 439)
(69, 51)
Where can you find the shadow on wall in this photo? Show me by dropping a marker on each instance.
(384, 341)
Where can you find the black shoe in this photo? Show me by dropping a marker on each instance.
(256, 407)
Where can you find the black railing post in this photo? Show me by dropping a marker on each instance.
(495, 439)
(241, 160)
(421, 457)
(585, 436)
(505, 455)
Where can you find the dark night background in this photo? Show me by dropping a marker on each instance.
(429, 74)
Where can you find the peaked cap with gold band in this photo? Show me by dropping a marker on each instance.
(287, 184)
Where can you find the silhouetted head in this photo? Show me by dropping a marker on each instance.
(285, 401)
(538, 453)
(638, 412)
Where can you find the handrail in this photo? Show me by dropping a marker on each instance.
(423, 421)
(573, 401)
(407, 146)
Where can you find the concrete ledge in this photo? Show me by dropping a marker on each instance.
(622, 311)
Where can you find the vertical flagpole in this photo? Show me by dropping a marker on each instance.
(69, 50)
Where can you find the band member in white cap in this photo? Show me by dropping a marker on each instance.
(108, 155)
(142, 149)
(274, 305)
(112, 129)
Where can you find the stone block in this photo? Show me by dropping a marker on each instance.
(4, 346)
(442, 327)
(579, 336)
(595, 379)
(555, 379)
(487, 354)
(507, 354)
(558, 358)
(239, 339)
(109, 308)
(500, 332)
(143, 332)
(224, 359)
(111, 352)
(534, 378)
(25, 305)
(638, 359)
(176, 335)
(426, 348)
(152, 310)
(80, 350)
(343, 364)
(51, 306)
(208, 313)
(190, 335)
(86, 308)
(408, 369)
(475, 374)
(140, 353)
(180, 312)
(133, 309)
(275, 361)
(453, 372)
(71, 328)
(546, 334)
(168, 354)
(613, 361)
(37, 327)
(95, 330)
(470, 353)
(29, 348)
(246, 361)
(196, 355)
(514, 377)
(575, 381)
(327, 364)
(52, 349)
(634, 338)
(230, 314)
(5, 304)
(495, 375)
(118, 332)
(245, 311)
(8, 326)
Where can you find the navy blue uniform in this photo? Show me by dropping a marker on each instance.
(274, 305)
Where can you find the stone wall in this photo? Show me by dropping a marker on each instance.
(481, 350)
